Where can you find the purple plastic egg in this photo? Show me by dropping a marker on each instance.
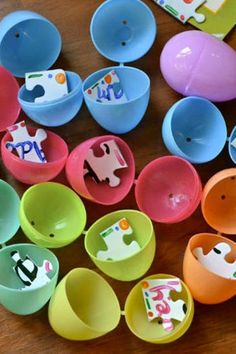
(195, 63)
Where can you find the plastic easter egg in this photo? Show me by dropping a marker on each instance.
(9, 210)
(165, 198)
(29, 172)
(195, 63)
(218, 201)
(10, 108)
(23, 299)
(100, 193)
(56, 112)
(129, 267)
(151, 331)
(28, 42)
(65, 215)
(131, 26)
(206, 286)
(194, 129)
(74, 292)
(120, 118)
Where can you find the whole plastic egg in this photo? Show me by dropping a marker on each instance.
(195, 63)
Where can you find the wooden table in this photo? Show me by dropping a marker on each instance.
(213, 327)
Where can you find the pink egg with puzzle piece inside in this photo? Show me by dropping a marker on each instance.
(99, 164)
(29, 172)
(195, 63)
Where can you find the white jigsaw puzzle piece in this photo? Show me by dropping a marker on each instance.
(42, 276)
(29, 273)
(107, 90)
(103, 167)
(233, 143)
(183, 10)
(113, 238)
(54, 83)
(28, 147)
(158, 303)
(215, 261)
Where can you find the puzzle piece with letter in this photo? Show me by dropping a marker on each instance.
(113, 238)
(102, 168)
(159, 304)
(182, 9)
(215, 261)
(53, 82)
(28, 147)
(31, 275)
(107, 90)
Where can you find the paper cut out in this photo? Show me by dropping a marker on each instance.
(28, 147)
(102, 168)
(182, 9)
(158, 302)
(233, 143)
(29, 273)
(107, 90)
(215, 261)
(113, 238)
(53, 82)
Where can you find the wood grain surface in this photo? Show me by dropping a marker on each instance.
(213, 327)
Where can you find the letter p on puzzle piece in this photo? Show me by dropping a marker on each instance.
(27, 147)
